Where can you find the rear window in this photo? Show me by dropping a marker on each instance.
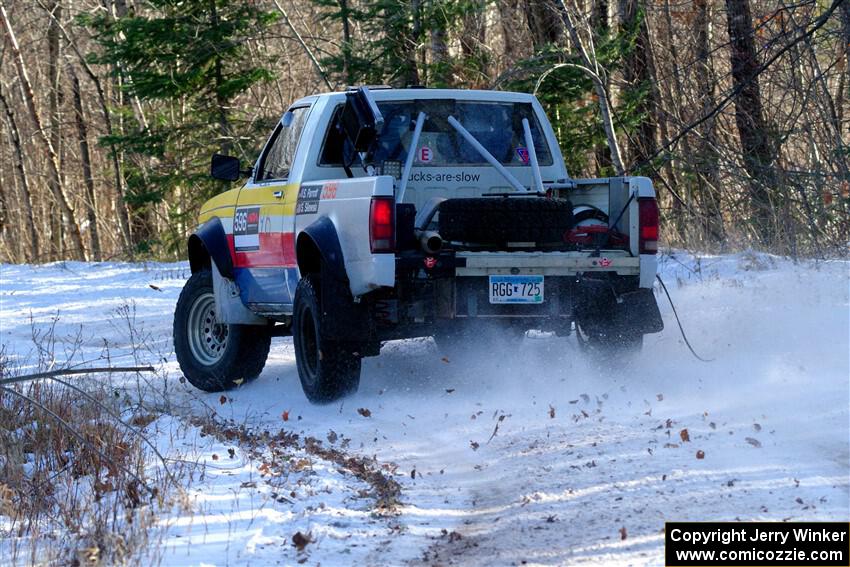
(496, 125)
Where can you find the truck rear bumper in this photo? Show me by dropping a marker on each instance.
(546, 263)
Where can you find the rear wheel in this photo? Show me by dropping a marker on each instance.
(215, 356)
(328, 369)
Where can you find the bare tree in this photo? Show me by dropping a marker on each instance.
(85, 159)
(55, 182)
(595, 71)
(638, 74)
(707, 160)
(758, 153)
(26, 191)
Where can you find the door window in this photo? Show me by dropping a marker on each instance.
(280, 153)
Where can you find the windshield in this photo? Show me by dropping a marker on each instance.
(497, 125)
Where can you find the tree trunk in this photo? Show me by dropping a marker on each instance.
(601, 25)
(841, 95)
(85, 159)
(472, 39)
(509, 15)
(26, 193)
(441, 76)
(344, 14)
(707, 160)
(55, 183)
(226, 137)
(638, 74)
(756, 147)
(544, 22)
(119, 205)
(55, 99)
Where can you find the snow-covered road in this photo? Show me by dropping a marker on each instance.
(516, 453)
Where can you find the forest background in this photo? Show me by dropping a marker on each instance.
(110, 109)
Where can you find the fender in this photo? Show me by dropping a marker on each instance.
(318, 251)
(317, 248)
(211, 237)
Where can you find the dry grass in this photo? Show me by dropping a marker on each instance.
(77, 485)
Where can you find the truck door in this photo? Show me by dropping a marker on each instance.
(264, 222)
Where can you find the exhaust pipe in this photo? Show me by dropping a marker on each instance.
(430, 241)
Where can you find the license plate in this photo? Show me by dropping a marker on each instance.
(516, 289)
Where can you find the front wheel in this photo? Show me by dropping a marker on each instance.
(215, 356)
(329, 370)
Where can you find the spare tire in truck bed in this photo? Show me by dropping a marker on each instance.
(498, 220)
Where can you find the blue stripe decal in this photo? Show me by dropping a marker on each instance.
(266, 285)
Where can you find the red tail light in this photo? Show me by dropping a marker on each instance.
(382, 224)
(648, 215)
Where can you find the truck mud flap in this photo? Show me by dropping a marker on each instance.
(638, 311)
(632, 311)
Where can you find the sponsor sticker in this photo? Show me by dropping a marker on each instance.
(329, 190)
(246, 229)
(523, 155)
(308, 199)
(426, 155)
(604, 262)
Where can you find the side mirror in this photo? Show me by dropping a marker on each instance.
(225, 168)
(361, 121)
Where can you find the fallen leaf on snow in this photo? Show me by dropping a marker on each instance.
(551, 411)
(700, 454)
(474, 445)
(754, 442)
(623, 534)
(449, 390)
(215, 457)
(285, 415)
(332, 436)
(300, 540)
(757, 427)
(153, 287)
(222, 400)
(364, 412)
(686, 437)
(445, 359)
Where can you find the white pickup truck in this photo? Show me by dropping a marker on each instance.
(394, 213)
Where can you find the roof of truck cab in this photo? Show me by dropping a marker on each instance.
(384, 94)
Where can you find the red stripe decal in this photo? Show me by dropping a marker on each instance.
(277, 249)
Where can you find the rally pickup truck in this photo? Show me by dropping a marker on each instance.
(383, 214)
